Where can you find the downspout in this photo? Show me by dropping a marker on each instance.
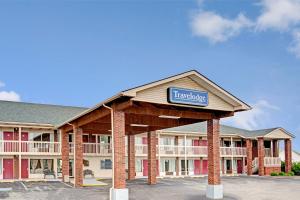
(112, 143)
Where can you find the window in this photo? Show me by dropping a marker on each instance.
(1, 166)
(38, 165)
(40, 137)
(104, 139)
(106, 164)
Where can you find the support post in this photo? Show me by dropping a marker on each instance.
(65, 149)
(231, 146)
(177, 158)
(131, 157)
(185, 157)
(214, 188)
(288, 155)
(78, 156)
(261, 156)
(118, 190)
(249, 156)
(152, 158)
(275, 148)
(20, 150)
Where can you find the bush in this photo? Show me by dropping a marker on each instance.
(290, 174)
(282, 166)
(274, 174)
(281, 174)
(296, 168)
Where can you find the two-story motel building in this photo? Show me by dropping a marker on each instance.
(141, 132)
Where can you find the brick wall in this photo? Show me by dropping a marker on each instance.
(213, 127)
(152, 158)
(269, 170)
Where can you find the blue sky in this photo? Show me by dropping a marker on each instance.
(81, 52)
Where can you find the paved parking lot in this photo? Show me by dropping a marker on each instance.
(235, 188)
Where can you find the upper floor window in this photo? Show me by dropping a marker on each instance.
(46, 137)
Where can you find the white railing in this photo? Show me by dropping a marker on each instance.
(9, 146)
(40, 147)
(233, 151)
(196, 151)
(254, 165)
(141, 149)
(96, 148)
(268, 152)
(272, 162)
(168, 150)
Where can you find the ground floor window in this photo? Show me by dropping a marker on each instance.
(138, 165)
(167, 165)
(37, 166)
(0, 165)
(191, 165)
(106, 164)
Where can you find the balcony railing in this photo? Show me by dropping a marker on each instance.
(7, 146)
(272, 161)
(93, 149)
(233, 151)
(30, 147)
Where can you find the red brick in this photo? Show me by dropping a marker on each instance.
(119, 149)
(269, 170)
(249, 156)
(65, 153)
(261, 156)
(213, 139)
(131, 157)
(288, 155)
(152, 158)
(78, 156)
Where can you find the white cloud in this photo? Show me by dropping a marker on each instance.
(253, 119)
(217, 28)
(295, 47)
(9, 96)
(279, 14)
(2, 84)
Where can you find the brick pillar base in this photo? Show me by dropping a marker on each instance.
(152, 158)
(249, 156)
(261, 156)
(288, 155)
(78, 157)
(131, 157)
(119, 149)
(65, 155)
(214, 188)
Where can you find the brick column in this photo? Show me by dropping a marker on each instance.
(131, 157)
(249, 156)
(119, 149)
(288, 155)
(65, 148)
(78, 156)
(214, 188)
(177, 162)
(152, 158)
(275, 148)
(16, 167)
(261, 156)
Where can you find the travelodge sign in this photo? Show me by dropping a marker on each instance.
(187, 96)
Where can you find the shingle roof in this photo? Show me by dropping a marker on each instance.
(224, 130)
(36, 113)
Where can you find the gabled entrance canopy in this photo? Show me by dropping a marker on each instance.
(178, 100)
(148, 105)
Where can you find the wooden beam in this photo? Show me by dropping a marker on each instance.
(149, 109)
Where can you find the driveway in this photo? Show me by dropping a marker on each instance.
(235, 188)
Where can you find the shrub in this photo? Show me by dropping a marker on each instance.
(274, 174)
(290, 174)
(281, 174)
(282, 166)
(296, 168)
